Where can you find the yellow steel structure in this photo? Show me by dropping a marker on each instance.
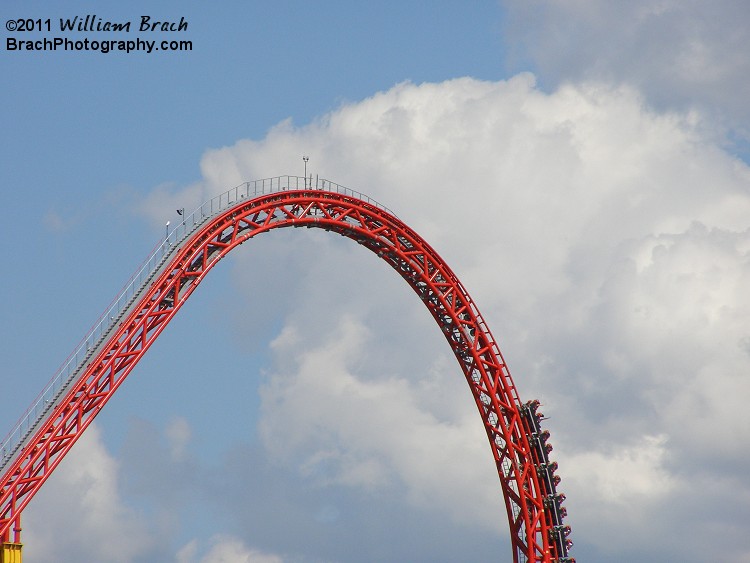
(10, 552)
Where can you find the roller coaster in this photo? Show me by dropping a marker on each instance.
(126, 330)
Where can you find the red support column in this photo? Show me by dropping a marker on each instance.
(17, 529)
(11, 552)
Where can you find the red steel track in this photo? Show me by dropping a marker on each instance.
(518, 444)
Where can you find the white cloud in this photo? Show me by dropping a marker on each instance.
(625, 473)
(364, 429)
(225, 549)
(605, 243)
(178, 434)
(680, 53)
(80, 515)
(629, 482)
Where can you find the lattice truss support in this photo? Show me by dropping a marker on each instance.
(518, 445)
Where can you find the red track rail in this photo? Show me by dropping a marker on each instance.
(518, 445)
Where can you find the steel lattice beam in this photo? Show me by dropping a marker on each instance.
(527, 483)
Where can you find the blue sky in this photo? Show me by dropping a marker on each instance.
(583, 168)
(251, 67)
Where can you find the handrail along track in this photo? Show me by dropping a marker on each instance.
(129, 326)
(122, 304)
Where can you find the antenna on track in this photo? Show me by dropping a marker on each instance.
(305, 158)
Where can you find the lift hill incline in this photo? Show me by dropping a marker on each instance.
(125, 331)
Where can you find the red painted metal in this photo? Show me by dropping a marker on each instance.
(527, 481)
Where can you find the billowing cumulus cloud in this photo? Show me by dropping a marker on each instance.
(607, 245)
(366, 430)
(598, 211)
